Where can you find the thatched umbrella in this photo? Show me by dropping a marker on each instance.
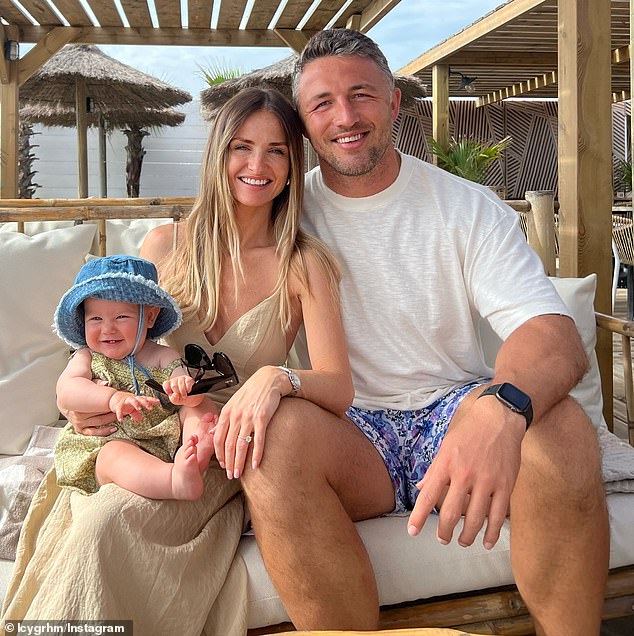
(130, 121)
(81, 74)
(278, 75)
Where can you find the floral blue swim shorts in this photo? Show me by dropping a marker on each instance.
(408, 441)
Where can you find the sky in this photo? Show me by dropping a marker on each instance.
(411, 28)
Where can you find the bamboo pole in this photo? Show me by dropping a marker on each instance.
(541, 227)
(82, 138)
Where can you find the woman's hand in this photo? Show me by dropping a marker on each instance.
(245, 418)
(98, 424)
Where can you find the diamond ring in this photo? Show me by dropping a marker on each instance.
(245, 438)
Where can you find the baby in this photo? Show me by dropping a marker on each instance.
(112, 315)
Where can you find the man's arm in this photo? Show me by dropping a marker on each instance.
(478, 462)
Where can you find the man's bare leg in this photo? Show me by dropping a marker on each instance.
(559, 522)
(318, 474)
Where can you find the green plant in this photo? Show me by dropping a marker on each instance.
(624, 174)
(468, 157)
(218, 73)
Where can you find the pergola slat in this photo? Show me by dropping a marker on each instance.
(11, 14)
(168, 13)
(137, 13)
(323, 14)
(106, 13)
(230, 14)
(41, 12)
(73, 12)
(261, 15)
(199, 14)
(293, 14)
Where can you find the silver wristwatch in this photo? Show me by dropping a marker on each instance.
(293, 378)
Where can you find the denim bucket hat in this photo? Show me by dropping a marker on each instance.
(120, 278)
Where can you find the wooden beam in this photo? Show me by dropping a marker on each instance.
(9, 124)
(164, 37)
(439, 53)
(4, 66)
(375, 12)
(440, 106)
(521, 88)
(44, 50)
(503, 58)
(620, 97)
(354, 22)
(295, 40)
(621, 55)
(585, 158)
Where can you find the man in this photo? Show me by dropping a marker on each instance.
(423, 255)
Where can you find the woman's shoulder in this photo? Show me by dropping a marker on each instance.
(159, 242)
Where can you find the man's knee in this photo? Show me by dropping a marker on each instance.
(560, 455)
(288, 449)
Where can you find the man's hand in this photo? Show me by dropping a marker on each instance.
(477, 466)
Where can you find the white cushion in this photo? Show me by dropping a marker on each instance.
(578, 294)
(35, 272)
(409, 569)
(125, 237)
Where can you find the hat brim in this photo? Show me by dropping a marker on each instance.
(68, 321)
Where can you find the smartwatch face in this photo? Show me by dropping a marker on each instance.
(516, 398)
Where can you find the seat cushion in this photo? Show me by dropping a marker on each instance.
(411, 568)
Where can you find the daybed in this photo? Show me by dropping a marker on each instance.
(469, 588)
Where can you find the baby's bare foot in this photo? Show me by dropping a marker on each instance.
(187, 482)
(206, 440)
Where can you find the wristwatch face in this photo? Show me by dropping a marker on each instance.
(516, 399)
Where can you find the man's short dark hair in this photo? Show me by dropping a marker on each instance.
(342, 43)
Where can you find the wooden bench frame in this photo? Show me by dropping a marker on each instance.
(496, 611)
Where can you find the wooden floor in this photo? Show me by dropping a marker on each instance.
(620, 426)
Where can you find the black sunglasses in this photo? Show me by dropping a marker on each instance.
(197, 360)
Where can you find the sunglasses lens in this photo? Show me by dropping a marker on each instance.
(194, 355)
(223, 365)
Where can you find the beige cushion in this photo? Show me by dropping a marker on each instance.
(35, 272)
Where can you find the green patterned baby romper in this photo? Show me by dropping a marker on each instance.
(158, 433)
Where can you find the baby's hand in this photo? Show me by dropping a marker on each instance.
(178, 388)
(123, 403)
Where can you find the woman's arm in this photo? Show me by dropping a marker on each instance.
(247, 414)
(328, 383)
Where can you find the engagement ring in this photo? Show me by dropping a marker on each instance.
(245, 438)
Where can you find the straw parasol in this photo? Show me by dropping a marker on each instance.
(82, 74)
(278, 76)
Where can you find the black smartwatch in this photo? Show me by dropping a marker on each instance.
(512, 398)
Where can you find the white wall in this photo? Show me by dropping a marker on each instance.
(171, 165)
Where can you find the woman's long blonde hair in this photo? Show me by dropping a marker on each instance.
(193, 272)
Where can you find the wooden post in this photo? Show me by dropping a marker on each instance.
(585, 164)
(440, 106)
(9, 111)
(103, 164)
(541, 227)
(82, 138)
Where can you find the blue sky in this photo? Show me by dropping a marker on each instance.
(411, 28)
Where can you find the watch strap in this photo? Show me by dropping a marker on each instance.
(494, 389)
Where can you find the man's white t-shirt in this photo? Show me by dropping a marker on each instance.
(422, 261)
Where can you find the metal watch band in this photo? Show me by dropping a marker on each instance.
(293, 378)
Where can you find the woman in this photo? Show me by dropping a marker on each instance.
(246, 277)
